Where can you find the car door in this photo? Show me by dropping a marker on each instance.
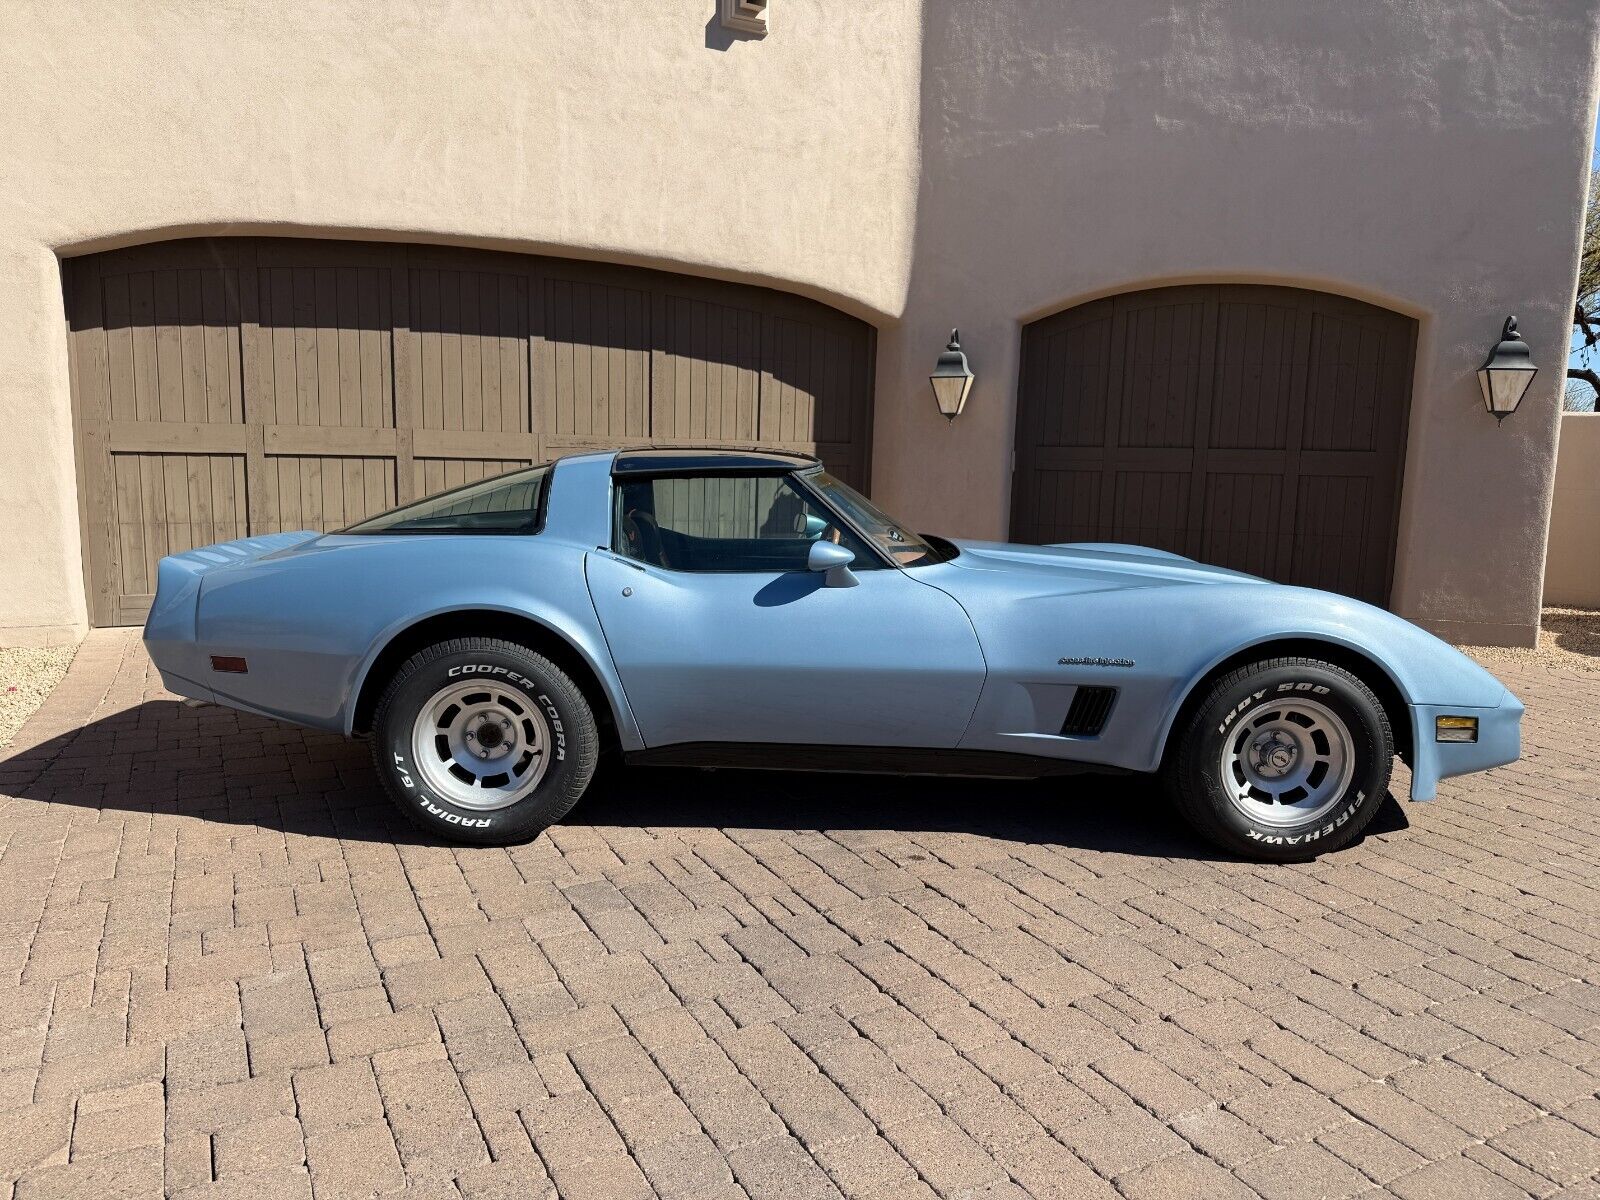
(719, 633)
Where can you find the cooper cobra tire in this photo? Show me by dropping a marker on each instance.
(482, 740)
(1282, 760)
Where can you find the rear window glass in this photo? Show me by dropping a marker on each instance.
(511, 503)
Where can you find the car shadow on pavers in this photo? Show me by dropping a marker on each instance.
(1126, 814)
(235, 768)
(215, 763)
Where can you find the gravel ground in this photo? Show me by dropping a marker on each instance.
(27, 677)
(1569, 640)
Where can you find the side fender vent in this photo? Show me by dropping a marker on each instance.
(1090, 708)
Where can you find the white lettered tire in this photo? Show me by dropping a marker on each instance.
(1283, 759)
(483, 740)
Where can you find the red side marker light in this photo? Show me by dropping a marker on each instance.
(229, 664)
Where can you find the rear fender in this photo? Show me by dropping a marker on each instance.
(598, 662)
(313, 622)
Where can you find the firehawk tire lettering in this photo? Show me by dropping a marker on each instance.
(1268, 839)
(573, 743)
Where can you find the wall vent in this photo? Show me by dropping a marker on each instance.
(1087, 715)
(744, 16)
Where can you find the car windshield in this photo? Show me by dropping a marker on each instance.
(512, 503)
(894, 539)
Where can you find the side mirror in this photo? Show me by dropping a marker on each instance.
(835, 561)
(815, 527)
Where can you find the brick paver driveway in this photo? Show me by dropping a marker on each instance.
(228, 970)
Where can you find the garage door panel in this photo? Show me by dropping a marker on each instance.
(591, 356)
(171, 345)
(237, 385)
(706, 369)
(325, 491)
(437, 474)
(1357, 369)
(1259, 348)
(1280, 412)
(789, 382)
(467, 343)
(841, 394)
(1075, 362)
(1332, 534)
(1151, 508)
(161, 503)
(325, 357)
(1240, 525)
(218, 332)
(1165, 363)
(1068, 508)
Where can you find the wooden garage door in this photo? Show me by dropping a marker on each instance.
(1259, 428)
(225, 387)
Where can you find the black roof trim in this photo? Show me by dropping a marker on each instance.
(710, 460)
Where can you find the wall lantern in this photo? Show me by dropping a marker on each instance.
(951, 379)
(1506, 376)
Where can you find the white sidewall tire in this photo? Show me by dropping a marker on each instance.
(573, 739)
(1193, 772)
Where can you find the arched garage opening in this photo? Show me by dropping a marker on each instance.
(1259, 428)
(230, 386)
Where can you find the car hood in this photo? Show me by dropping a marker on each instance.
(1091, 566)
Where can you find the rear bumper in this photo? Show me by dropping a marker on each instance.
(1499, 742)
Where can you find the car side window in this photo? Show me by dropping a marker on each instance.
(726, 523)
(511, 503)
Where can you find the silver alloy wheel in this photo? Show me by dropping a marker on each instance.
(1288, 762)
(480, 745)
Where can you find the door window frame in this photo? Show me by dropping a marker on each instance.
(795, 480)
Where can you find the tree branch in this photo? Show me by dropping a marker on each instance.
(1590, 377)
(1584, 321)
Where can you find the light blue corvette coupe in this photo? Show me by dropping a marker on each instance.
(743, 608)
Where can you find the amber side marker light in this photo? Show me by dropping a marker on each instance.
(1455, 729)
(229, 665)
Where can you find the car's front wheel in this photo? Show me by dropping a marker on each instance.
(1283, 759)
(483, 740)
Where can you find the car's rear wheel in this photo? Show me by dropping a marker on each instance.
(1283, 759)
(484, 740)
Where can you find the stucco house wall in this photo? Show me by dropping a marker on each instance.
(638, 133)
(1430, 158)
(918, 163)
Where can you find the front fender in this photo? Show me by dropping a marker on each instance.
(1428, 674)
(1155, 636)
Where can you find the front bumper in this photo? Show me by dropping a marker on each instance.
(1499, 742)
